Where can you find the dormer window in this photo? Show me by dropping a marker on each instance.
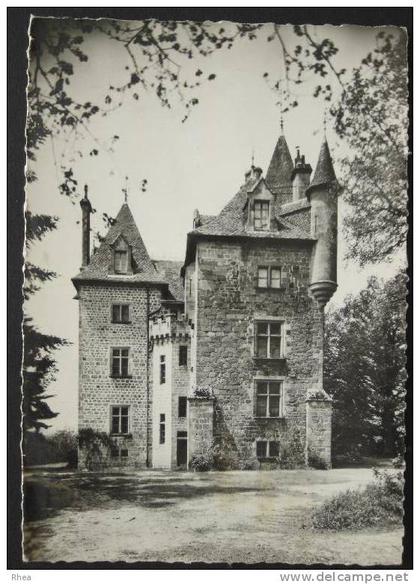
(261, 215)
(122, 260)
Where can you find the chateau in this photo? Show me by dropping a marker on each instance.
(221, 354)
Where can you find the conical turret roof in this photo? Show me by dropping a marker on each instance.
(324, 172)
(100, 266)
(279, 171)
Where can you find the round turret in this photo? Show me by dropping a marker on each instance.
(322, 194)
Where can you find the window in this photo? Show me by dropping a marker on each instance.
(119, 453)
(263, 281)
(183, 355)
(271, 277)
(162, 429)
(269, 399)
(267, 449)
(261, 215)
(119, 362)
(269, 340)
(162, 369)
(120, 313)
(121, 261)
(182, 407)
(275, 277)
(119, 419)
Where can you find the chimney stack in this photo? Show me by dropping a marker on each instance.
(196, 219)
(300, 176)
(86, 211)
(254, 173)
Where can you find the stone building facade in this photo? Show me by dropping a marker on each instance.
(221, 354)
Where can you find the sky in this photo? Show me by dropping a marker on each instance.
(199, 164)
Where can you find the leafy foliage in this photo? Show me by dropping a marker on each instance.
(365, 369)
(202, 462)
(39, 367)
(292, 450)
(379, 504)
(372, 117)
(58, 447)
(368, 104)
(96, 447)
(39, 370)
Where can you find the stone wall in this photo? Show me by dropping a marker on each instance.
(228, 304)
(98, 391)
(200, 426)
(318, 432)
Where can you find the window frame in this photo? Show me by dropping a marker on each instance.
(281, 401)
(162, 428)
(119, 247)
(268, 443)
(269, 322)
(119, 253)
(162, 369)
(120, 320)
(261, 203)
(184, 398)
(282, 279)
(117, 453)
(183, 350)
(121, 374)
(120, 418)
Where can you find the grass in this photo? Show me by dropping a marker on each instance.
(229, 517)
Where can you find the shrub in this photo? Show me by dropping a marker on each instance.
(251, 465)
(37, 450)
(201, 462)
(292, 451)
(224, 454)
(380, 503)
(40, 450)
(202, 392)
(352, 457)
(64, 447)
(315, 461)
(96, 446)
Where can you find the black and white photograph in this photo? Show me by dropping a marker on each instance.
(215, 357)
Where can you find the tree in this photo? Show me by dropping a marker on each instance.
(368, 105)
(372, 118)
(365, 369)
(38, 364)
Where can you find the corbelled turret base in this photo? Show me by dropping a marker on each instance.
(323, 291)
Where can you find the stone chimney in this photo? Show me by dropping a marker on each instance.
(196, 219)
(86, 211)
(301, 174)
(254, 174)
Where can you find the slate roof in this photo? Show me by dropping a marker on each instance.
(171, 273)
(231, 221)
(143, 268)
(279, 173)
(324, 172)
